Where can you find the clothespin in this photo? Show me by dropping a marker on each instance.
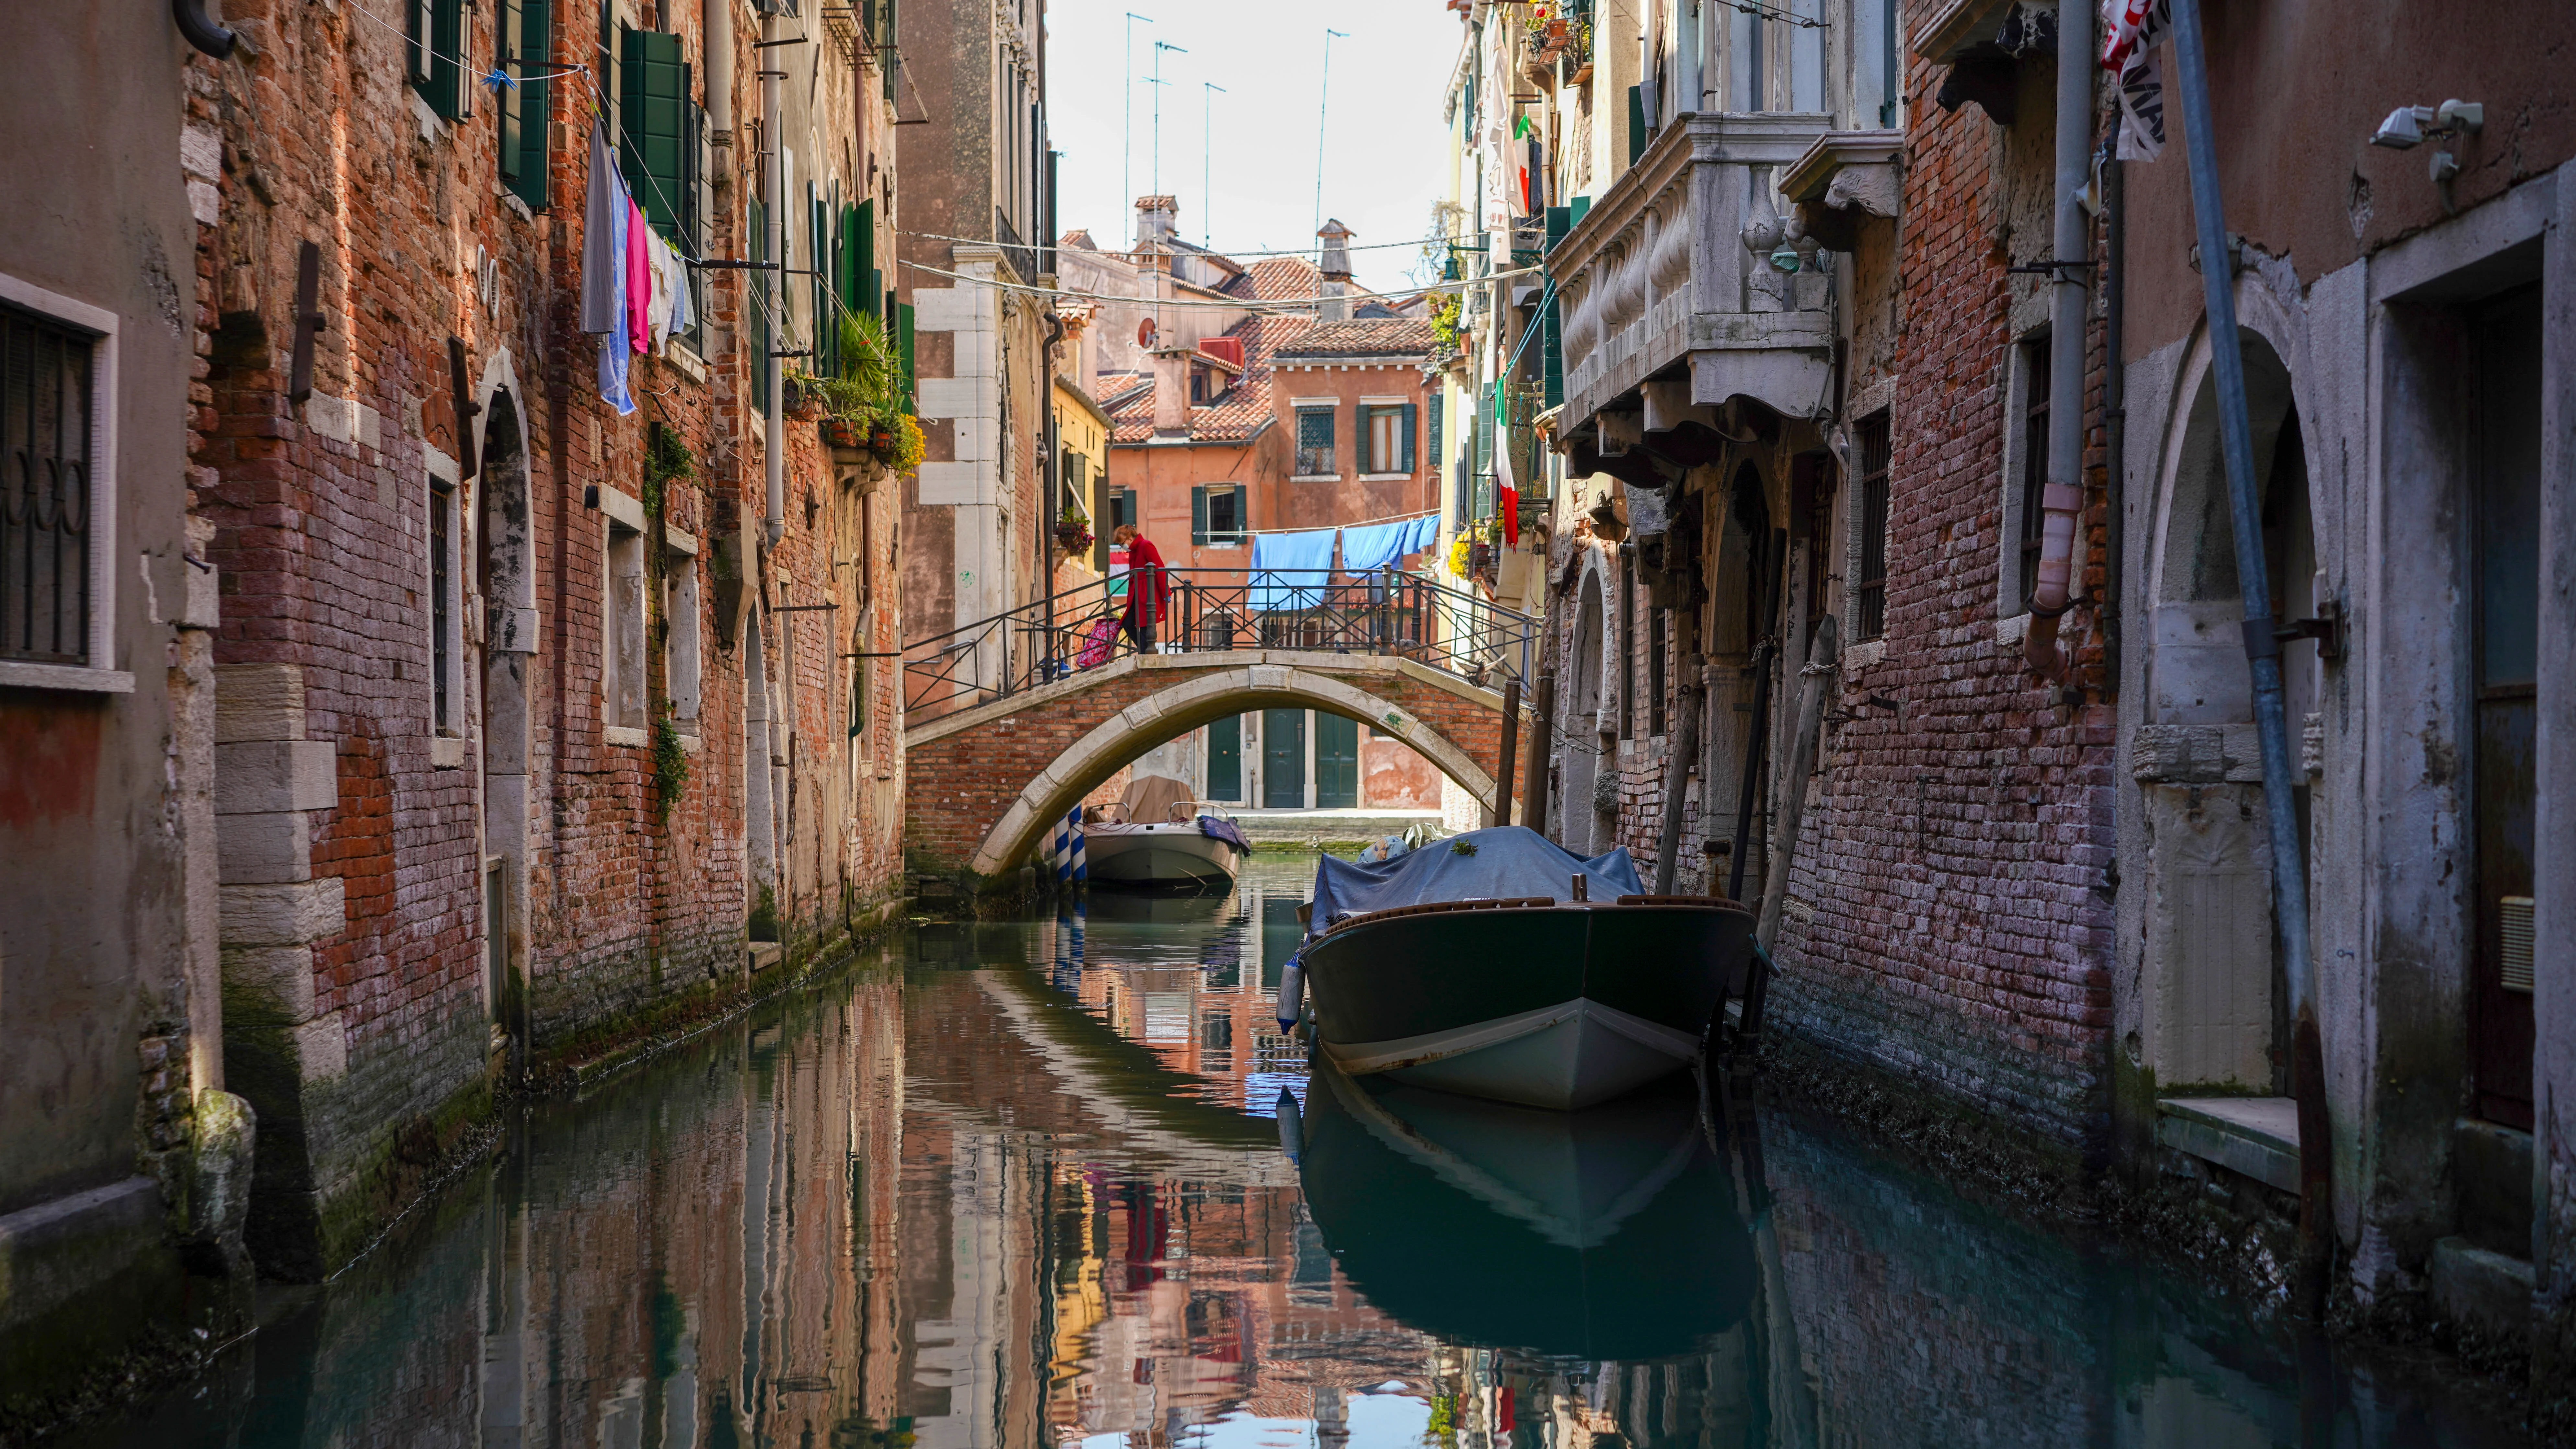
(498, 79)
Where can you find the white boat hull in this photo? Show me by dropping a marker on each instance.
(1174, 855)
(1566, 1056)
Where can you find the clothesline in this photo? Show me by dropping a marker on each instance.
(1264, 306)
(985, 241)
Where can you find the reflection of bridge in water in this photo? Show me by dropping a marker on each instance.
(1007, 726)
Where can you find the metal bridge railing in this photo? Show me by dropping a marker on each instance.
(1210, 610)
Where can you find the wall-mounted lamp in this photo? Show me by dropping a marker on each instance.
(2408, 127)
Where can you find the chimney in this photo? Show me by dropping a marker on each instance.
(1336, 268)
(1171, 391)
(1154, 217)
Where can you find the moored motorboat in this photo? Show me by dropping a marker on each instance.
(1500, 965)
(1161, 838)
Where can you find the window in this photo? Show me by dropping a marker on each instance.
(1314, 442)
(1216, 515)
(1655, 701)
(656, 149)
(2034, 467)
(680, 661)
(524, 46)
(756, 229)
(57, 488)
(1870, 582)
(436, 34)
(1122, 508)
(1390, 438)
(444, 607)
(1438, 408)
(621, 635)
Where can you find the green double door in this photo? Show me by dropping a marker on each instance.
(1225, 759)
(1283, 760)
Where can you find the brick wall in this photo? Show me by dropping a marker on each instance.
(373, 1059)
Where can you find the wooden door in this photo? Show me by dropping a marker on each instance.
(1337, 762)
(2505, 668)
(1225, 759)
(1283, 759)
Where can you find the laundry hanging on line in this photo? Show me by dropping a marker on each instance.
(634, 285)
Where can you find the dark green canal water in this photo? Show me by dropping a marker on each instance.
(1024, 1184)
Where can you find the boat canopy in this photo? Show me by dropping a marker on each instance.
(1507, 862)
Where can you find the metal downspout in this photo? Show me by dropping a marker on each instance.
(2263, 657)
(2062, 501)
(2115, 417)
(1050, 479)
(200, 30)
(774, 441)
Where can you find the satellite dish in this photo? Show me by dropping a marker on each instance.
(1145, 333)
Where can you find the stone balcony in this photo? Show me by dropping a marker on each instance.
(1667, 315)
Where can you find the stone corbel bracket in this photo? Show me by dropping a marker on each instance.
(1842, 180)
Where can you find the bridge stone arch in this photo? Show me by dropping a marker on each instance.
(984, 785)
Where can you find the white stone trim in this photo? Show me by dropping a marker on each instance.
(99, 675)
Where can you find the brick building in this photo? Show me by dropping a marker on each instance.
(534, 726)
(2026, 867)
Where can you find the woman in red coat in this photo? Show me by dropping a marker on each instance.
(1149, 588)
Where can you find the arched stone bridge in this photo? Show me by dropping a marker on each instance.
(985, 784)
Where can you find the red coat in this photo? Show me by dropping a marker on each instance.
(1149, 584)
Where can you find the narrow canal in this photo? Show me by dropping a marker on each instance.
(1023, 1184)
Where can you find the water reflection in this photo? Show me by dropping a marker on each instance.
(1008, 1186)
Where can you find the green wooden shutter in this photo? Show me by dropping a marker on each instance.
(1405, 457)
(911, 382)
(536, 96)
(436, 32)
(1560, 220)
(1198, 514)
(756, 222)
(849, 271)
(511, 101)
(1636, 123)
(604, 61)
(653, 150)
(1438, 408)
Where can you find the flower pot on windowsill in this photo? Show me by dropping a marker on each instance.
(1480, 557)
(881, 442)
(843, 433)
(798, 401)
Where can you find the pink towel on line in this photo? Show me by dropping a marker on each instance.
(639, 281)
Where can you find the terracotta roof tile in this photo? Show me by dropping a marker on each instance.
(1368, 337)
(1238, 413)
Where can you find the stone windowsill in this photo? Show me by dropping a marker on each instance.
(2257, 1136)
(2009, 631)
(446, 752)
(75, 677)
(1864, 654)
(1386, 477)
(690, 744)
(1315, 478)
(621, 735)
(765, 954)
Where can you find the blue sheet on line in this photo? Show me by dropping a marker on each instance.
(1426, 532)
(1507, 862)
(1289, 570)
(1378, 545)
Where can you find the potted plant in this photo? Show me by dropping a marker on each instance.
(798, 401)
(841, 432)
(1073, 534)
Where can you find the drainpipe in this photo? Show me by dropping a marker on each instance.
(2263, 658)
(2115, 416)
(774, 445)
(1050, 475)
(2062, 501)
(718, 17)
(200, 30)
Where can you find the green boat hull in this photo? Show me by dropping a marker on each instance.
(1560, 1006)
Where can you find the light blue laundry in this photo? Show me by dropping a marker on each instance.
(1289, 570)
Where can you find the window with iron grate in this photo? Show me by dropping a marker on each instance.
(1314, 442)
(49, 493)
(2034, 466)
(1870, 585)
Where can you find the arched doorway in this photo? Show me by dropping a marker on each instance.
(507, 581)
(1581, 821)
(2215, 1001)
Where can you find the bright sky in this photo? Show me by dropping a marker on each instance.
(1383, 151)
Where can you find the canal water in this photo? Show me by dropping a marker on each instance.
(1061, 1182)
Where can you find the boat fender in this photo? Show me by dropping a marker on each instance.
(1292, 1126)
(1292, 993)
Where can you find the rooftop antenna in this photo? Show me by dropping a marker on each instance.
(1127, 115)
(1322, 103)
(1159, 47)
(1207, 148)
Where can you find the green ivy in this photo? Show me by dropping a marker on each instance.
(666, 460)
(670, 766)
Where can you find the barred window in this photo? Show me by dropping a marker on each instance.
(1314, 442)
(1871, 583)
(48, 381)
(2034, 466)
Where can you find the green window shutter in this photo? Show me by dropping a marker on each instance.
(604, 62)
(1404, 457)
(653, 143)
(756, 223)
(435, 30)
(911, 382)
(1636, 123)
(536, 96)
(850, 272)
(1438, 408)
(1198, 514)
(511, 101)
